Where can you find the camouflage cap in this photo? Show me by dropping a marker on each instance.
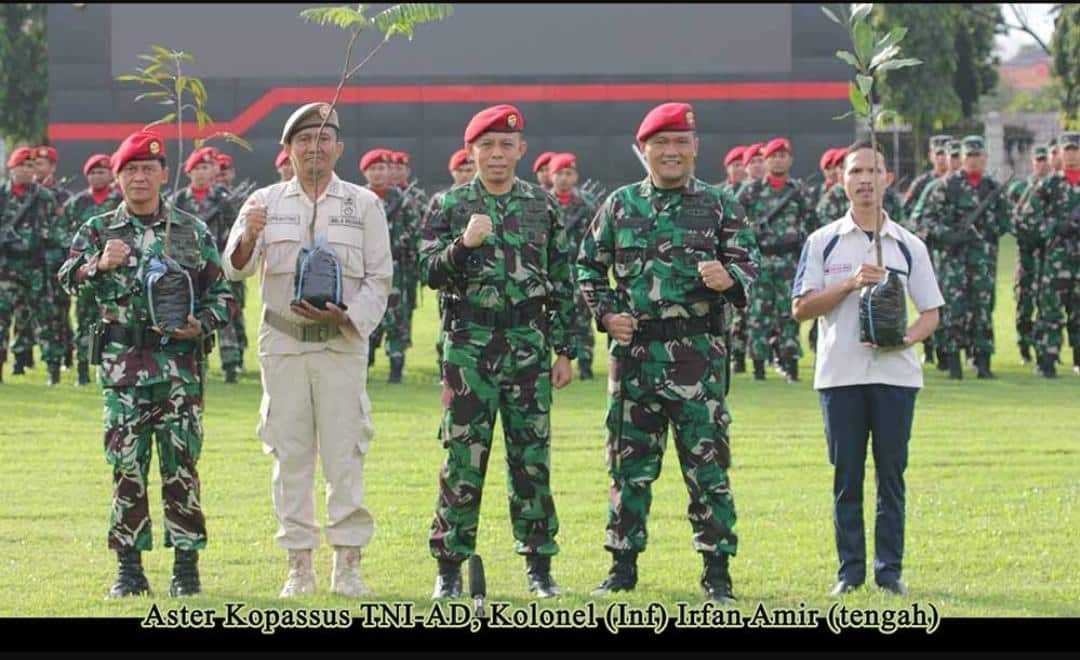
(1040, 152)
(309, 116)
(1070, 140)
(973, 144)
(940, 142)
(954, 147)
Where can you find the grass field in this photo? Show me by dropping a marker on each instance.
(992, 513)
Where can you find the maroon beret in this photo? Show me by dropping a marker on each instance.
(204, 155)
(750, 152)
(774, 145)
(839, 154)
(498, 118)
(735, 154)
(224, 160)
(282, 158)
(666, 117)
(400, 157)
(46, 152)
(457, 159)
(542, 160)
(827, 158)
(97, 160)
(561, 161)
(378, 155)
(140, 145)
(19, 156)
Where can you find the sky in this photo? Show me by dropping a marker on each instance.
(1040, 20)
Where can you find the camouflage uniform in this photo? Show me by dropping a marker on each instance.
(654, 240)
(440, 332)
(218, 212)
(77, 211)
(770, 320)
(396, 325)
(152, 392)
(737, 333)
(57, 301)
(1025, 277)
(966, 261)
(418, 200)
(1051, 217)
(914, 203)
(517, 287)
(577, 213)
(23, 248)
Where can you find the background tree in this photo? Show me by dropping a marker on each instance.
(24, 79)
(976, 65)
(1065, 47)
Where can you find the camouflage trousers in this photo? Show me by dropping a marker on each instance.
(769, 320)
(650, 386)
(395, 329)
(57, 306)
(491, 373)
(737, 342)
(232, 338)
(169, 414)
(581, 327)
(1058, 302)
(29, 316)
(440, 333)
(86, 315)
(1024, 283)
(967, 285)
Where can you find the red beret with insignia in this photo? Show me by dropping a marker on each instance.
(750, 152)
(498, 118)
(827, 158)
(373, 156)
(457, 159)
(561, 161)
(282, 158)
(774, 145)
(223, 160)
(46, 152)
(542, 160)
(735, 154)
(20, 156)
(97, 160)
(666, 117)
(204, 155)
(141, 145)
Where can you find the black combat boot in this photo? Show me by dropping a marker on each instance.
(54, 375)
(1046, 366)
(448, 581)
(792, 370)
(585, 369)
(371, 355)
(230, 375)
(538, 575)
(942, 359)
(68, 355)
(982, 366)
(84, 372)
(130, 579)
(185, 574)
(759, 369)
(19, 368)
(956, 369)
(1025, 354)
(928, 352)
(716, 580)
(622, 576)
(397, 364)
(738, 363)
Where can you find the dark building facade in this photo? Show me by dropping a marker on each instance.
(583, 75)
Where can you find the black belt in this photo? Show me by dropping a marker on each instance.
(677, 328)
(499, 319)
(774, 251)
(135, 337)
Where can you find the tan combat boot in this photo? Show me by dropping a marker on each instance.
(301, 578)
(345, 579)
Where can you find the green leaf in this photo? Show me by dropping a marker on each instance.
(345, 17)
(861, 11)
(162, 51)
(148, 58)
(859, 103)
(849, 58)
(863, 36)
(847, 114)
(129, 77)
(895, 36)
(899, 64)
(403, 18)
(201, 118)
(148, 95)
(883, 56)
(164, 120)
(866, 84)
(199, 91)
(832, 15)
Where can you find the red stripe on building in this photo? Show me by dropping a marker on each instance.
(427, 94)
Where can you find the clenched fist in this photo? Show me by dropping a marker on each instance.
(115, 254)
(620, 326)
(254, 222)
(479, 229)
(715, 276)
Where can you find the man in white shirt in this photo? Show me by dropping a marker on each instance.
(865, 390)
(314, 361)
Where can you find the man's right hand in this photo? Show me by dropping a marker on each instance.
(115, 254)
(479, 229)
(866, 275)
(254, 222)
(620, 327)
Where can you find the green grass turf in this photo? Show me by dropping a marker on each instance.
(992, 499)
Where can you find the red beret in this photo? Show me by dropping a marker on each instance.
(399, 157)
(141, 145)
(561, 161)
(20, 156)
(97, 160)
(224, 160)
(45, 152)
(498, 118)
(282, 158)
(839, 154)
(734, 155)
(774, 145)
(750, 151)
(541, 160)
(457, 159)
(827, 158)
(373, 156)
(204, 155)
(666, 117)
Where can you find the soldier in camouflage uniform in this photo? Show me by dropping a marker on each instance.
(679, 255)
(966, 261)
(153, 384)
(1027, 257)
(540, 169)
(403, 221)
(27, 230)
(58, 303)
(498, 248)
(736, 175)
(416, 199)
(754, 164)
(577, 213)
(225, 176)
(1055, 154)
(1051, 216)
(212, 204)
(780, 239)
(462, 169)
(97, 199)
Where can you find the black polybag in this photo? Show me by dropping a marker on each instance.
(170, 294)
(883, 312)
(318, 277)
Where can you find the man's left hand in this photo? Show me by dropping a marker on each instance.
(561, 372)
(715, 276)
(192, 330)
(333, 314)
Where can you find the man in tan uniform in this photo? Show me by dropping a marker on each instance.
(314, 361)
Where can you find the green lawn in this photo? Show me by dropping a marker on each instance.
(992, 513)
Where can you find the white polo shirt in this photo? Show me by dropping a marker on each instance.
(832, 254)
